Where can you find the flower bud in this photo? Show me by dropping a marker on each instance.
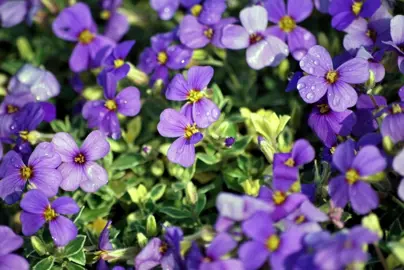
(229, 141)
(141, 240)
(38, 245)
(137, 76)
(151, 226)
(191, 193)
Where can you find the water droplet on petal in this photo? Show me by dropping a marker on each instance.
(300, 86)
(309, 96)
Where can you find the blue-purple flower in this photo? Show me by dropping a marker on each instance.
(298, 38)
(14, 12)
(10, 242)
(398, 163)
(262, 49)
(37, 210)
(392, 125)
(104, 246)
(78, 167)
(117, 23)
(322, 78)
(199, 108)
(306, 218)
(397, 39)
(351, 185)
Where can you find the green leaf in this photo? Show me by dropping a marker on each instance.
(157, 192)
(127, 161)
(133, 130)
(44, 264)
(397, 249)
(74, 246)
(175, 212)
(217, 95)
(238, 147)
(73, 266)
(200, 204)
(79, 257)
(92, 214)
(38, 245)
(208, 159)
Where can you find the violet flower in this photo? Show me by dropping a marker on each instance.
(202, 110)
(323, 78)
(208, 12)
(164, 252)
(174, 124)
(104, 246)
(322, 5)
(306, 218)
(37, 211)
(160, 57)
(103, 114)
(10, 242)
(399, 168)
(397, 39)
(298, 38)
(344, 12)
(369, 33)
(286, 165)
(351, 185)
(392, 124)
(165, 8)
(266, 243)
(262, 49)
(41, 83)
(76, 24)
(195, 35)
(78, 166)
(327, 124)
(14, 12)
(39, 172)
(117, 23)
(212, 258)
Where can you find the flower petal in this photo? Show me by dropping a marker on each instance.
(9, 241)
(104, 243)
(65, 206)
(177, 89)
(199, 77)
(317, 61)
(45, 156)
(95, 146)
(128, 101)
(117, 26)
(342, 20)
(10, 184)
(178, 56)
(191, 33)
(212, 11)
(320, 126)
(235, 37)
(80, 58)
(398, 163)
(312, 88)
(172, 123)
(300, 10)
(354, 71)
(182, 152)
(259, 227)
(254, 19)
(338, 189)
(400, 191)
(300, 41)
(363, 197)
(31, 223)
(65, 146)
(276, 10)
(255, 250)
(73, 175)
(341, 96)
(34, 202)
(221, 245)
(302, 152)
(369, 161)
(62, 230)
(150, 256)
(97, 177)
(205, 112)
(13, 262)
(46, 180)
(344, 156)
(397, 29)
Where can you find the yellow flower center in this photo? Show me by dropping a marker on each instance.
(208, 33)
(371, 34)
(332, 150)
(278, 197)
(196, 10)
(332, 76)
(289, 162)
(11, 109)
(49, 214)
(80, 159)
(287, 24)
(24, 135)
(396, 108)
(118, 63)
(273, 243)
(296, 187)
(26, 173)
(163, 248)
(105, 14)
(300, 219)
(190, 130)
(162, 58)
(86, 37)
(194, 96)
(323, 108)
(357, 7)
(110, 105)
(352, 176)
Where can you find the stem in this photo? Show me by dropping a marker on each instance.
(397, 201)
(380, 256)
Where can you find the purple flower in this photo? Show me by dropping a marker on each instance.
(103, 114)
(392, 124)
(266, 243)
(41, 83)
(293, 80)
(397, 39)
(161, 57)
(374, 60)
(286, 165)
(13, 12)
(229, 141)
(104, 246)
(351, 185)
(117, 25)
(113, 60)
(283, 202)
(399, 168)
(344, 12)
(78, 166)
(298, 38)
(39, 172)
(324, 79)
(368, 33)
(202, 110)
(37, 211)
(322, 5)
(233, 208)
(262, 49)
(344, 248)
(306, 218)
(165, 8)
(327, 124)
(164, 252)
(208, 12)
(220, 246)
(76, 24)
(174, 124)
(10, 242)
(194, 34)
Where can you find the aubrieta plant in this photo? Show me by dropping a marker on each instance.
(201, 134)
